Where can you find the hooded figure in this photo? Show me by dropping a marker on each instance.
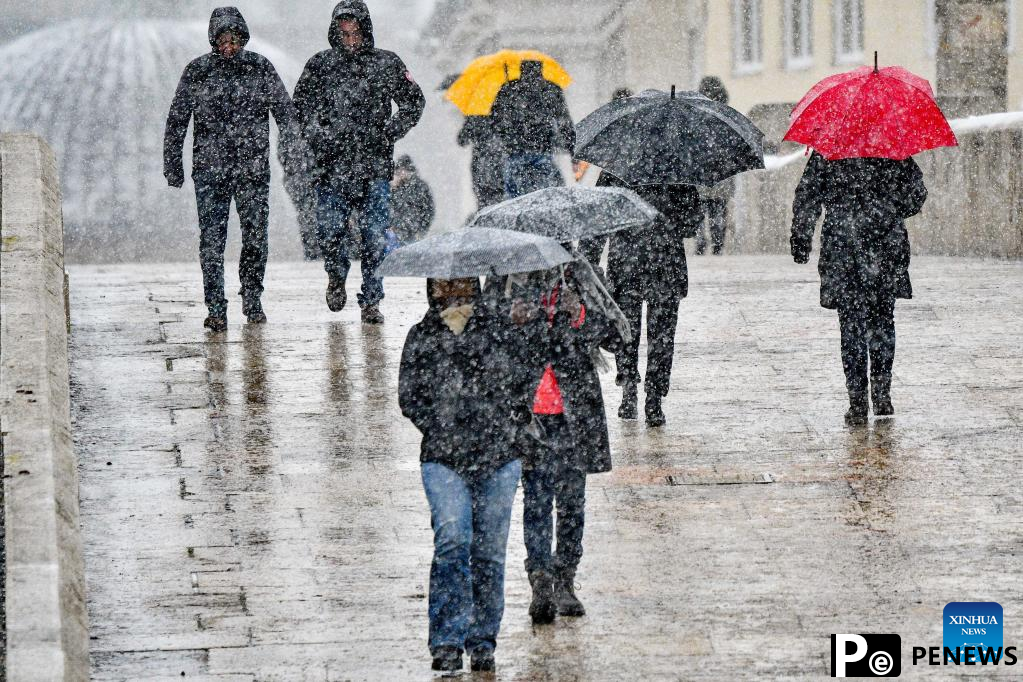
(714, 200)
(412, 207)
(462, 384)
(229, 93)
(344, 100)
(531, 120)
(649, 265)
(864, 262)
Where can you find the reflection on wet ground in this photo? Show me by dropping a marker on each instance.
(261, 516)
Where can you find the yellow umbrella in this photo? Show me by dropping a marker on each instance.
(475, 90)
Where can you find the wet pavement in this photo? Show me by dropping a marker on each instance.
(252, 508)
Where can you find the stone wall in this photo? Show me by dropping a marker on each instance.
(47, 636)
(974, 205)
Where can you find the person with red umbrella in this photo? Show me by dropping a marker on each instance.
(864, 126)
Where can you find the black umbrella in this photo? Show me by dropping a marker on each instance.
(569, 213)
(658, 138)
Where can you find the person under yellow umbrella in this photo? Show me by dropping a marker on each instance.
(475, 90)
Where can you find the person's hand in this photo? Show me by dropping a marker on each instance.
(801, 258)
(522, 312)
(175, 178)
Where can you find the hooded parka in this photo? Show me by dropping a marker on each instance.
(230, 100)
(344, 104)
(864, 243)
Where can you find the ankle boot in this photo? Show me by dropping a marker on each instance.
(856, 415)
(654, 413)
(543, 608)
(564, 594)
(881, 395)
(629, 398)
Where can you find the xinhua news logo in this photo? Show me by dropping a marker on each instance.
(866, 655)
(974, 629)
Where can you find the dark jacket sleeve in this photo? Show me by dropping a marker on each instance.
(307, 91)
(807, 208)
(280, 101)
(911, 196)
(563, 122)
(413, 396)
(410, 100)
(177, 127)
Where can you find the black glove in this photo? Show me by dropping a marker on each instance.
(175, 178)
(801, 258)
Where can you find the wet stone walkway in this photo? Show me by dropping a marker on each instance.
(252, 508)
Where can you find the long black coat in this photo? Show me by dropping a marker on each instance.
(469, 395)
(530, 116)
(864, 243)
(487, 167)
(230, 100)
(651, 263)
(344, 103)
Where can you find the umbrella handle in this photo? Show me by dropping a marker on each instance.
(875, 61)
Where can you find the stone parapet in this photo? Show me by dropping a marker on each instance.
(47, 635)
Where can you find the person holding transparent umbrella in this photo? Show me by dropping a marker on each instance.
(864, 126)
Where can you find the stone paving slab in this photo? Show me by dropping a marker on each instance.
(252, 508)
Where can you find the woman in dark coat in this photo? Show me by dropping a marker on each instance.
(864, 262)
(569, 408)
(464, 387)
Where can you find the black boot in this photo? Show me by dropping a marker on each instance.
(447, 659)
(543, 608)
(336, 295)
(564, 594)
(628, 407)
(654, 413)
(858, 410)
(216, 323)
(253, 311)
(881, 396)
(482, 660)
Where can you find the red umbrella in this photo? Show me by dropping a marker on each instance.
(869, 112)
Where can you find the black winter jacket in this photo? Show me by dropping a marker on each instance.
(344, 104)
(529, 115)
(469, 395)
(230, 101)
(651, 263)
(864, 243)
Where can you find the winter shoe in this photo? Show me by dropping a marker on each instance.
(336, 295)
(447, 659)
(628, 407)
(482, 660)
(856, 415)
(654, 413)
(564, 594)
(543, 608)
(371, 315)
(254, 312)
(216, 323)
(881, 396)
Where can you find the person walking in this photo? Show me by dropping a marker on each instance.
(229, 93)
(649, 266)
(463, 384)
(531, 120)
(864, 261)
(714, 200)
(344, 103)
(487, 166)
(569, 407)
(412, 207)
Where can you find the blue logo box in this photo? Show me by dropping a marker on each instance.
(973, 624)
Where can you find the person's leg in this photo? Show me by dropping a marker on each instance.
(852, 320)
(627, 359)
(213, 201)
(512, 170)
(570, 491)
(492, 508)
(701, 237)
(537, 529)
(662, 320)
(373, 222)
(253, 202)
(717, 220)
(332, 212)
(451, 516)
(882, 355)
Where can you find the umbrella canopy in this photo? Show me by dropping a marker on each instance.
(658, 138)
(474, 253)
(569, 213)
(475, 90)
(869, 112)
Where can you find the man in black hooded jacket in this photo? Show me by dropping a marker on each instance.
(229, 93)
(344, 102)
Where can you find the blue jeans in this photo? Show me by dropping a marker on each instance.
(525, 173)
(556, 478)
(470, 519)
(333, 209)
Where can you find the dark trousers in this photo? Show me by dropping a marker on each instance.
(868, 333)
(555, 478)
(716, 211)
(252, 201)
(661, 320)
